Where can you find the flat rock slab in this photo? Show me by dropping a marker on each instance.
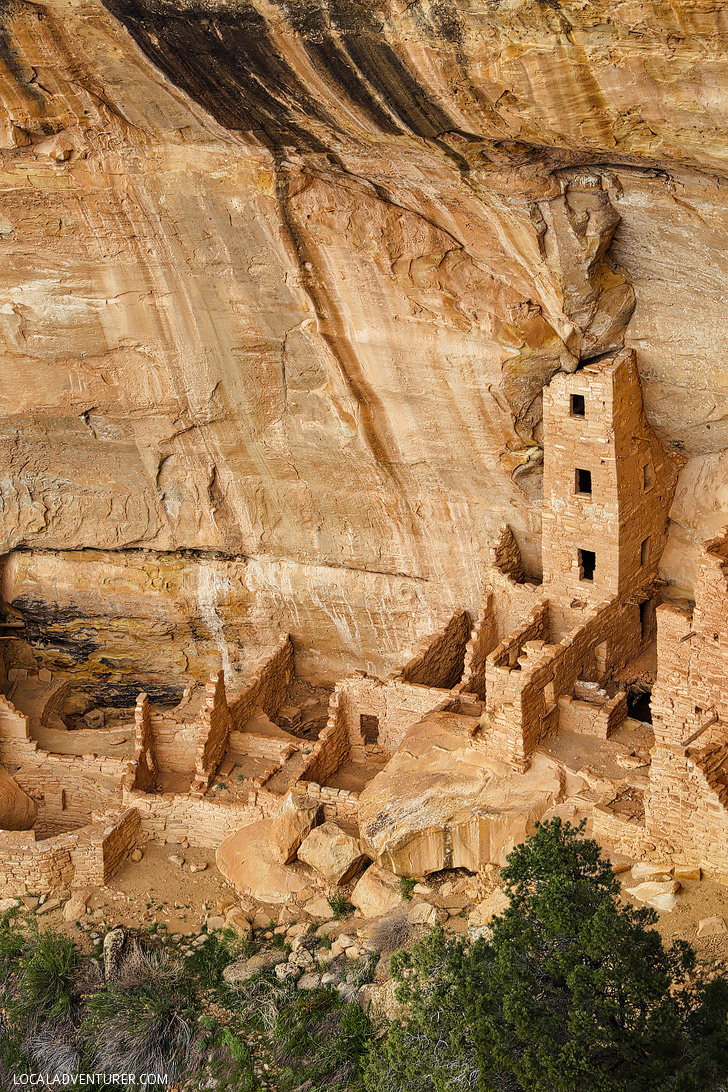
(658, 895)
(332, 852)
(441, 802)
(246, 861)
(712, 927)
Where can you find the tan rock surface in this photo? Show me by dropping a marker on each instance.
(336, 855)
(376, 893)
(441, 803)
(295, 820)
(17, 810)
(361, 237)
(245, 860)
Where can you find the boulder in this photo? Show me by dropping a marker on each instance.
(245, 860)
(332, 852)
(243, 969)
(485, 911)
(645, 870)
(114, 947)
(17, 810)
(422, 913)
(379, 1000)
(442, 803)
(659, 895)
(236, 920)
(320, 908)
(711, 927)
(377, 893)
(294, 821)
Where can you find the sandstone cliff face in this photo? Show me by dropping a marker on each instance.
(282, 283)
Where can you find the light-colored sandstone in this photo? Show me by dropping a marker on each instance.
(332, 852)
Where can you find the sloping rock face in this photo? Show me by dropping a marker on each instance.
(441, 803)
(17, 810)
(248, 242)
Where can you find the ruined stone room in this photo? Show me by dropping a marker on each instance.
(364, 545)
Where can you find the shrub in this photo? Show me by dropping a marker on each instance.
(392, 931)
(572, 990)
(407, 885)
(339, 904)
(146, 1021)
(321, 1041)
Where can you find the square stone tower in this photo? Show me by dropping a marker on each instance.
(608, 485)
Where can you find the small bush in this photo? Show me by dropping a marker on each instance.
(321, 1042)
(407, 885)
(146, 1021)
(339, 904)
(392, 932)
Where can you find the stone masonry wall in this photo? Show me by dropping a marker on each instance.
(440, 664)
(203, 820)
(686, 803)
(332, 748)
(396, 705)
(90, 855)
(268, 687)
(143, 766)
(608, 485)
(214, 725)
(522, 690)
(483, 639)
(590, 719)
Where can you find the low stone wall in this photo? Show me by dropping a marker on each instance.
(440, 664)
(88, 856)
(69, 788)
(341, 804)
(204, 821)
(252, 745)
(267, 688)
(590, 719)
(332, 748)
(623, 836)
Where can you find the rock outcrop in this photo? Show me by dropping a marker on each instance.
(246, 245)
(442, 803)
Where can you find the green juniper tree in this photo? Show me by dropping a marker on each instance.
(572, 991)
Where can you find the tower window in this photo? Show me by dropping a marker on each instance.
(647, 478)
(583, 481)
(587, 564)
(645, 551)
(577, 405)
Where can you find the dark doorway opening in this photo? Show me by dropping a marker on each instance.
(369, 725)
(638, 706)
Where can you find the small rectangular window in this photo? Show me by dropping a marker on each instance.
(587, 564)
(583, 481)
(647, 478)
(645, 551)
(577, 405)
